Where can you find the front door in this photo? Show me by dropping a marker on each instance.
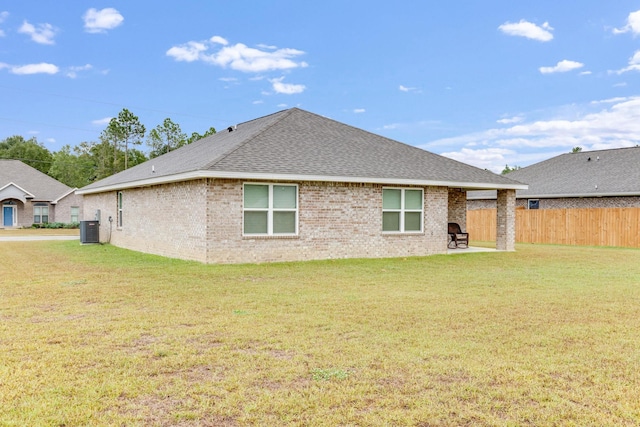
(9, 216)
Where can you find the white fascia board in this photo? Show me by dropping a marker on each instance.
(561, 196)
(581, 195)
(296, 178)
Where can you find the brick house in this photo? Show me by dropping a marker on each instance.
(292, 186)
(28, 196)
(586, 179)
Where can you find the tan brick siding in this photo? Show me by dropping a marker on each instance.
(336, 220)
(167, 220)
(63, 208)
(458, 207)
(506, 220)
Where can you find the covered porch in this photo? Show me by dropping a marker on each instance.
(505, 217)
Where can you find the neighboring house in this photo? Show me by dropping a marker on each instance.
(586, 179)
(28, 196)
(292, 186)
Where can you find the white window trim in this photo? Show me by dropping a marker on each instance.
(40, 209)
(270, 210)
(77, 215)
(120, 203)
(402, 211)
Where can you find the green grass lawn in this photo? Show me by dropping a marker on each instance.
(96, 335)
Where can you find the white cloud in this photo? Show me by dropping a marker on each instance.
(219, 40)
(187, 52)
(72, 72)
(408, 89)
(510, 120)
(633, 24)
(634, 64)
(41, 68)
(3, 17)
(99, 21)
(237, 57)
(528, 29)
(101, 122)
(484, 158)
(562, 67)
(286, 88)
(42, 34)
(609, 123)
(610, 100)
(359, 110)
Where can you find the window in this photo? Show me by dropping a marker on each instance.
(534, 204)
(40, 214)
(75, 214)
(401, 210)
(120, 209)
(270, 209)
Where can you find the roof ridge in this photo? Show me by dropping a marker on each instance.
(285, 113)
(604, 149)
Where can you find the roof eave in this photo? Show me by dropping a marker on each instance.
(188, 176)
(577, 195)
(63, 196)
(564, 195)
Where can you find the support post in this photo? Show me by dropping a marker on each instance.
(506, 220)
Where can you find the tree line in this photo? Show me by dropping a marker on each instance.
(114, 151)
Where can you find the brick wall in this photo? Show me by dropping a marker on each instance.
(458, 207)
(336, 220)
(506, 220)
(63, 208)
(168, 220)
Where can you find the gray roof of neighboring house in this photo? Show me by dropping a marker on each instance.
(42, 187)
(600, 173)
(298, 145)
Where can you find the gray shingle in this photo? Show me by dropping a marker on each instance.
(299, 143)
(614, 172)
(42, 186)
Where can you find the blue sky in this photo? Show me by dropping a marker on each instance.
(487, 83)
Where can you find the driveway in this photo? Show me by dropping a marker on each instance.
(35, 238)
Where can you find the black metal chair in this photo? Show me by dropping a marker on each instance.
(457, 239)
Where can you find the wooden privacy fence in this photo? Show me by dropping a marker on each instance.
(589, 227)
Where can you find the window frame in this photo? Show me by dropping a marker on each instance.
(77, 213)
(270, 209)
(120, 205)
(403, 210)
(41, 208)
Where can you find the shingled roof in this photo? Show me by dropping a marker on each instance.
(599, 173)
(298, 145)
(36, 185)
